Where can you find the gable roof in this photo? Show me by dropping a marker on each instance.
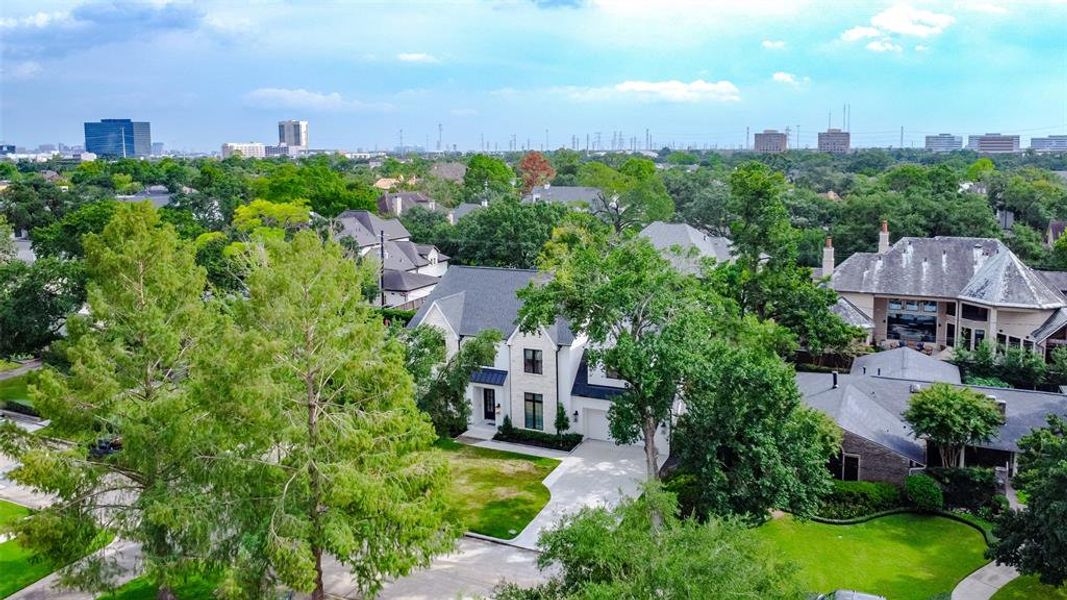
(474, 299)
(408, 200)
(452, 171)
(905, 363)
(666, 236)
(977, 269)
(364, 227)
(465, 209)
(405, 281)
(851, 314)
(567, 194)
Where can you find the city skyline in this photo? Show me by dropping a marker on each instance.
(693, 74)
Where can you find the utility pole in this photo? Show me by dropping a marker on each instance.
(440, 128)
(746, 138)
(381, 266)
(901, 136)
(401, 141)
(798, 136)
(546, 138)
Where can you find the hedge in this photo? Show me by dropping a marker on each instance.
(987, 535)
(22, 407)
(567, 441)
(851, 499)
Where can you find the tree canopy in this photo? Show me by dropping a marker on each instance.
(952, 417)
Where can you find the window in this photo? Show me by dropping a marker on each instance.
(930, 307)
(979, 335)
(912, 305)
(1013, 342)
(535, 411)
(531, 361)
(1002, 340)
(950, 334)
(851, 467)
(950, 309)
(966, 334)
(1027, 344)
(975, 313)
(895, 304)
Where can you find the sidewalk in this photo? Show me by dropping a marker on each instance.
(983, 583)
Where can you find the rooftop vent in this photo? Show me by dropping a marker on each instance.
(915, 388)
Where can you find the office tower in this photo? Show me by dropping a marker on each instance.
(119, 138)
(771, 141)
(944, 142)
(293, 133)
(834, 141)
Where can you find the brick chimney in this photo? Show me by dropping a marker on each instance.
(883, 238)
(828, 258)
(398, 205)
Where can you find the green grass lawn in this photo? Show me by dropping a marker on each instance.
(18, 569)
(1029, 588)
(11, 512)
(496, 493)
(140, 589)
(903, 556)
(8, 365)
(15, 388)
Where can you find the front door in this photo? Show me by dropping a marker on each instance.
(489, 404)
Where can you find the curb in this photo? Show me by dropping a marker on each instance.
(498, 541)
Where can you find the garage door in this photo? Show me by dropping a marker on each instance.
(596, 424)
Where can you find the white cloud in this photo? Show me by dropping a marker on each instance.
(659, 91)
(21, 70)
(38, 20)
(417, 57)
(791, 79)
(883, 45)
(904, 19)
(921, 48)
(774, 44)
(304, 99)
(859, 33)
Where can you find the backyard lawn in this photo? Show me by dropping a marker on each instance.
(903, 556)
(14, 388)
(141, 589)
(496, 493)
(1029, 588)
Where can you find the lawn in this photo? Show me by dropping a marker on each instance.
(903, 557)
(15, 389)
(141, 589)
(1029, 588)
(11, 512)
(496, 493)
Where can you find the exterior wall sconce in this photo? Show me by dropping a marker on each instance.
(574, 417)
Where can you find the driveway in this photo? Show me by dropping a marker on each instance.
(595, 474)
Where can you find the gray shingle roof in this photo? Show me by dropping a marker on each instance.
(851, 314)
(404, 281)
(465, 209)
(694, 245)
(977, 269)
(452, 171)
(878, 402)
(474, 299)
(1054, 323)
(566, 194)
(1057, 280)
(905, 363)
(408, 200)
(364, 226)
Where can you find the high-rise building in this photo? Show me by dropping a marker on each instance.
(993, 143)
(157, 148)
(834, 141)
(771, 141)
(1052, 143)
(944, 142)
(7, 149)
(119, 138)
(246, 150)
(293, 133)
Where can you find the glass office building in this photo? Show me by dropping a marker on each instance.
(119, 138)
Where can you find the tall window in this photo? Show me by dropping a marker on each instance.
(535, 411)
(532, 361)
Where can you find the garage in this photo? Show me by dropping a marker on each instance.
(596, 424)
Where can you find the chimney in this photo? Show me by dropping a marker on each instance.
(834, 374)
(485, 202)
(397, 205)
(1002, 405)
(883, 238)
(828, 258)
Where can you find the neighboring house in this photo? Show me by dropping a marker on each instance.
(399, 203)
(533, 373)
(687, 247)
(570, 195)
(158, 195)
(463, 210)
(410, 270)
(1054, 232)
(951, 291)
(449, 171)
(879, 445)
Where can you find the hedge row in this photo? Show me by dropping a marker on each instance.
(566, 442)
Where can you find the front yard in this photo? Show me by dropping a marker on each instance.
(17, 569)
(903, 556)
(14, 388)
(496, 493)
(1029, 588)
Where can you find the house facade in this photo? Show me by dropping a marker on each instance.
(532, 373)
(945, 292)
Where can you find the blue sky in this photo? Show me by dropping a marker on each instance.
(697, 73)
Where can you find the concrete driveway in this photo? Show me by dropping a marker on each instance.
(595, 474)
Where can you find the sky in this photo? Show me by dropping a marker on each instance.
(481, 71)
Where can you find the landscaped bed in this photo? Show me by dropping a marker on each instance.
(902, 556)
(496, 493)
(1029, 588)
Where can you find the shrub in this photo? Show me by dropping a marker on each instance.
(924, 492)
(969, 487)
(506, 428)
(686, 487)
(999, 504)
(851, 499)
(22, 407)
(566, 441)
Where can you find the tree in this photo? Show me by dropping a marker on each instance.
(746, 439)
(441, 389)
(507, 233)
(1022, 367)
(535, 171)
(63, 238)
(486, 172)
(327, 192)
(952, 418)
(562, 422)
(1032, 540)
(624, 295)
(259, 214)
(621, 553)
(129, 359)
(31, 203)
(35, 299)
(7, 244)
(641, 204)
(308, 376)
(980, 169)
(425, 226)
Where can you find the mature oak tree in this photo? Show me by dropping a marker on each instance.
(953, 418)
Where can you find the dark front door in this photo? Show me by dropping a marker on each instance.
(489, 404)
